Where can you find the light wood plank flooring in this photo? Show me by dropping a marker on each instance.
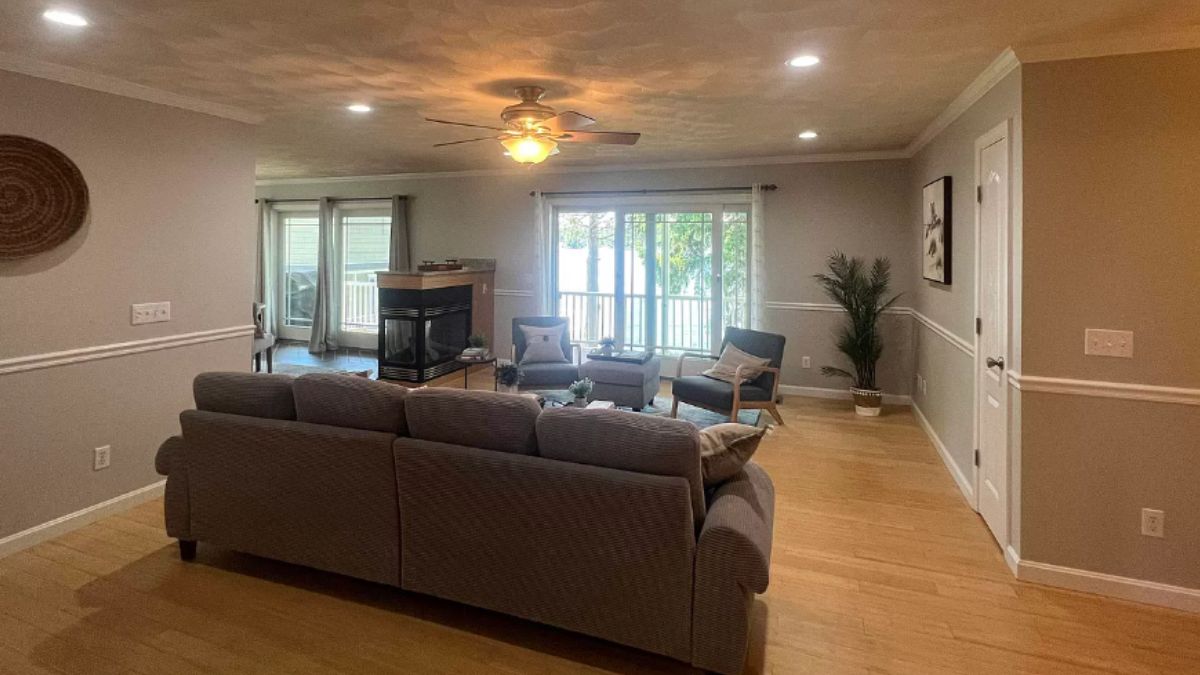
(878, 567)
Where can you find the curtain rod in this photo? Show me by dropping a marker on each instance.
(603, 193)
(332, 199)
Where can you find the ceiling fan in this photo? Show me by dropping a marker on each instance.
(532, 130)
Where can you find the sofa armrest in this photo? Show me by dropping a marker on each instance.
(167, 453)
(171, 461)
(733, 560)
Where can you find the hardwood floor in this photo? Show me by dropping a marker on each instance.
(878, 567)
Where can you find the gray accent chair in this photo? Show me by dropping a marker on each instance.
(718, 396)
(546, 375)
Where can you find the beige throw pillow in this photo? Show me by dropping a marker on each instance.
(731, 358)
(725, 449)
(543, 345)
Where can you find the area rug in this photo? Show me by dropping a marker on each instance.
(662, 406)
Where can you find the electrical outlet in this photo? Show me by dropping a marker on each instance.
(150, 312)
(1100, 342)
(1153, 522)
(102, 457)
(806, 362)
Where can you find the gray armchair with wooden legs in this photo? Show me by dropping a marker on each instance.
(718, 396)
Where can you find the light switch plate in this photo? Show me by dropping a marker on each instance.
(1101, 342)
(150, 312)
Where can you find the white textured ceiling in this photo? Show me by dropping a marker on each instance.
(701, 79)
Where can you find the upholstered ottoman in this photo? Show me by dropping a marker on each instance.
(632, 385)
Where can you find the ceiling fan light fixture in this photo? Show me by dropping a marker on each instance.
(64, 17)
(804, 61)
(808, 135)
(529, 149)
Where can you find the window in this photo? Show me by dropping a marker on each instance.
(657, 281)
(299, 267)
(362, 247)
(366, 244)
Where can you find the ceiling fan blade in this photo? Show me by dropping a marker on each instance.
(607, 137)
(469, 140)
(567, 120)
(464, 124)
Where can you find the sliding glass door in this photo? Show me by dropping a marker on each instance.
(668, 279)
(362, 242)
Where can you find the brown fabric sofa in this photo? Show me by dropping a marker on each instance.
(594, 521)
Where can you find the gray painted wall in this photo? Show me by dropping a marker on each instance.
(171, 203)
(1111, 241)
(948, 402)
(858, 207)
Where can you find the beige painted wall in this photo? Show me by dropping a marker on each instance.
(948, 403)
(856, 206)
(1112, 240)
(171, 214)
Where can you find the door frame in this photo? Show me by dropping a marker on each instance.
(1001, 132)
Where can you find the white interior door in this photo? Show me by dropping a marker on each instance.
(991, 347)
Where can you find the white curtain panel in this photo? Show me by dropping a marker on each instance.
(758, 262)
(264, 265)
(327, 307)
(400, 259)
(544, 293)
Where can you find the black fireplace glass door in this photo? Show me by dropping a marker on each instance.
(400, 342)
(445, 337)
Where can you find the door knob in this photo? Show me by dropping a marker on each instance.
(995, 363)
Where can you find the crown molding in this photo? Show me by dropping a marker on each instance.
(110, 85)
(866, 156)
(990, 77)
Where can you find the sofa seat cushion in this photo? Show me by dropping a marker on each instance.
(548, 374)
(348, 401)
(250, 394)
(625, 374)
(479, 419)
(714, 393)
(624, 440)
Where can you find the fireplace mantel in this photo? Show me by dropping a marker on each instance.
(423, 297)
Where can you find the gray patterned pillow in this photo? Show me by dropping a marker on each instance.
(543, 345)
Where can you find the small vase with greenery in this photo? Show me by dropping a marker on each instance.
(508, 377)
(478, 341)
(607, 345)
(581, 389)
(862, 292)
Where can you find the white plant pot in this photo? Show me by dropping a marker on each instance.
(581, 401)
(867, 402)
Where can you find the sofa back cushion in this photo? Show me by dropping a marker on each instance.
(250, 394)
(479, 419)
(624, 440)
(342, 400)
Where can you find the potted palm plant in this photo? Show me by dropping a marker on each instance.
(863, 294)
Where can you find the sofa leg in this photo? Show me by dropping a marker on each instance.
(675, 406)
(187, 550)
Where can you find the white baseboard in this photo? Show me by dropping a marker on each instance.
(967, 487)
(73, 521)
(1012, 559)
(840, 394)
(1111, 585)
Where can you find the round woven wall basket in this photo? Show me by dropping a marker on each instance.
(43, 197)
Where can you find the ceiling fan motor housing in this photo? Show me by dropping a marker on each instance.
(530, 111)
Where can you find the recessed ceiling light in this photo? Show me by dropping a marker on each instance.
(64, 17)
(359, 108)
(808, 135)
(805, 61)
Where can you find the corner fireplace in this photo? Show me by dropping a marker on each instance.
(421, 331)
